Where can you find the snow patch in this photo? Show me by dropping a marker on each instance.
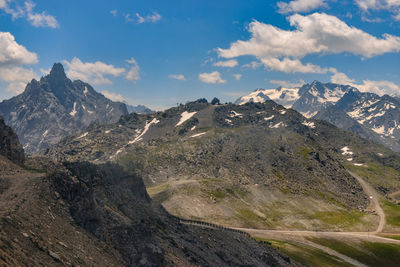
(350, 159)
(379, 130)
(358, 164)
(269, 118)
(83, 135)
(85, 91)
(346, 151)
(199, 134)
(283, 112)
(146, 128)
(278, 125)
(234, 114)
(310, 124)
(45, 133)
(185, 116)
(108, 131)
(73, 112)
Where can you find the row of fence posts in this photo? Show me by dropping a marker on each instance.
(210, 225)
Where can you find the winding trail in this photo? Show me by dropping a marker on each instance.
(374, 197)
(300, 237)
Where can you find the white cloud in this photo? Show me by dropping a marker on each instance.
(16, 77)
(213, 77)
(237, 76)
(114, 12)
(133, 73)
(287, 84)
(317, 33)
(92, 72)
(180, 77)
(14, 54)
(341, 78)
(377, 87)
(226, 64)
(113, 96)
(254, 65)
(36, 19)
(12, 58)
(39, 19)
(291, 65)
(392, 6)
(300, 6)
(153, 18)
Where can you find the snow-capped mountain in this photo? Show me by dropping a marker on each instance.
(316, 96)
(372, 116)
(308, 99)
(379, 114)
(55, 107)
(283, 96)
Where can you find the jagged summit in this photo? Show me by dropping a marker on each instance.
(58, 71)
(54, 107)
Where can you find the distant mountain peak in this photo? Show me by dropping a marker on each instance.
(58, 71)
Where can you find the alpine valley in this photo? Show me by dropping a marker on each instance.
(199, 184)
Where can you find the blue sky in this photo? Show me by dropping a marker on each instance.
(160, 53)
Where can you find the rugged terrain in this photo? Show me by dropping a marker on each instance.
(82, 214)
(371, 116)
(55, 107)
(10, 146)
(257, 165)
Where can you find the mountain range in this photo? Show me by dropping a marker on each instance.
(80, 214)
(251, 165)
(55, 107)
(372, 116)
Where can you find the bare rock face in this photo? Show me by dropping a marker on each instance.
(9, 144)
(55, 107)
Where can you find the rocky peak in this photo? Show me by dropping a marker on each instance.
(58, 71)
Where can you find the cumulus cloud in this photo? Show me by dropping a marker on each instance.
(377, 87)
(226, 64)
(212, 77)
(237, 76)
(153, 18)
(300, 6)
(95, 72)
(27, 11)
(39, 19)
(114, 12)
(13, 57)
(392, 6)
(317, 33)
(341, 78)
(14, 54)
(287, 84)
(16, 78)
(180, 77)
(113, 96)
(291, 65)
(133, 73)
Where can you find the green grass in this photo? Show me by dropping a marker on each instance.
(156, 189)
(369, 253)
(377, 174)
(396, 237)
(392, 212)
(304, 152)
(340, 219)
(304, 254)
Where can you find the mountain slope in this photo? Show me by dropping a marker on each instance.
(85, 215)
(258, 165)
(55, 107)
(378, 116)
(9, 144)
